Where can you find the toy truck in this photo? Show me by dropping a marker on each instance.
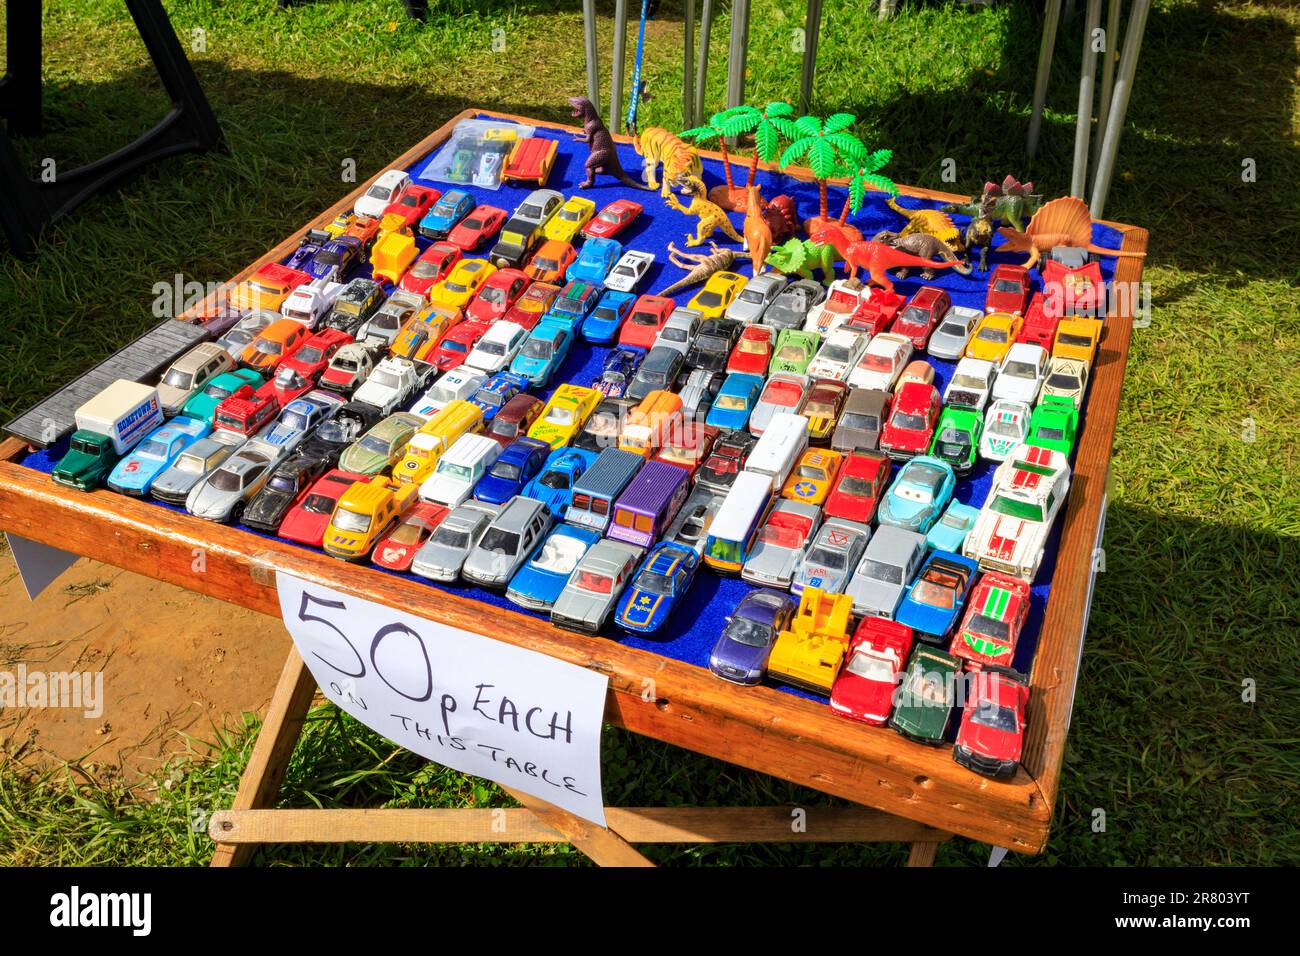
(811, 652)
(108, 426)
(245, 411)
(367, 511)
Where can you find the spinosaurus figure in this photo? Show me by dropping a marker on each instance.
(922, 245)
(699, 265)
(602, 156)
(874, 257)
(710, 214)
(802, 257)
(928, 222)
(1012, 202)
(1061, 222)
(758, 233)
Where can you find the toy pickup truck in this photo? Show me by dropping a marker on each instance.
(108, 426)
(811, 652)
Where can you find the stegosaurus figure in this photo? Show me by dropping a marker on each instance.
(710, 214)
(1010, 201)
(803, 257)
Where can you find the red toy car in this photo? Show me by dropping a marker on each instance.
(533, 304)
(514, 419)
(874, 313)
(286, 385)
(690, 447)
(415, 202)
(864, 689)
(1039, 327)
(613, 219)
(364, 230)
(431, 267)
(245, 412)
(1080, 291)
(910, 426)
(995, 613)
(862, 480)
(753, 350)
(921, 315)
(456, 344)
(991, 737)
(307, 518)
(397, 550)
(1008, 290)
(649, 315)
(498, 294)
(310, 358)
(480, 225)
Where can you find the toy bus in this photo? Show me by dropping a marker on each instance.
(784, 440)
(735, 526)
(596, 489)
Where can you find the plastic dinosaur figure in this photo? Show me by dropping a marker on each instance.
(1012, 202)
(657, 146)
(875, 257)
(802, 257)
(710, 214)
(1062, 222)
(923, 245)
(979, 231)
(758, 234)
(602, 157)
(929, 222)
(699, 265)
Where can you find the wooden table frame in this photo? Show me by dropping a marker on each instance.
(759, 728)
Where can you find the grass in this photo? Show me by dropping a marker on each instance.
(1203, 535)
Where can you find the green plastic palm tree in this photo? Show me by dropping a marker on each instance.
(826, 147)
(769, 125)
(863, 176)
(720, 127)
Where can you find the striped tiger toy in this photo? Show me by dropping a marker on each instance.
(656, 145)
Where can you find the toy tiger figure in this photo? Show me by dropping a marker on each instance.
(657, 145)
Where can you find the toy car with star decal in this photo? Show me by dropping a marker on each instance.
(811, 479)
(1027, 493)
(657, 588)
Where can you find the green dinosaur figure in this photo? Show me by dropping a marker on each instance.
(803, 257)
(1010, 201)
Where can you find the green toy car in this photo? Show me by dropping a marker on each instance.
(926, 695)
(957, 438)
(204, 405)
(795, 348)
(1053, 425)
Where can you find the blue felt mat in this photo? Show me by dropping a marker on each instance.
(694, 628)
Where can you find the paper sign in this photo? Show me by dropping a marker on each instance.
(479, 706)
(38, 564)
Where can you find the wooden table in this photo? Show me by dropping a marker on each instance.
(915, 793)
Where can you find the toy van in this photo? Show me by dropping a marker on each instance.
(649, 503)
(784, 440)
(190, 373)
(443, 429)
(735, 526)
(367, 511)
(108, 426)
(459, 470)
(656, 418)
(597, 488)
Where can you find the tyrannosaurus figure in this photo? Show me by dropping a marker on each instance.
(602, 156)
(875, 257)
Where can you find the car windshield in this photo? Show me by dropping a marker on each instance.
(558, 480)
(1062, 380)
(985, 626)
(268, 347)
(506, 471)
(1006, 428)
(449, 537)
(786, 394)
(783, 535)
(1014, 508)
(751, 296)
(957, 329)
(294, 421)
(913, 315)
(379, 192)
(997, 336)
(1020, 370)
(835, 352)
(952, 520)
(424, 269)
(708, 299)
(1008, 285)
(337, 431)
(937, 588)
(622, 270)
(870, 666)
(868, 423)
(712, 343)
(1055, 434)
(1078, 341)
(178, 379)
(230, 421)
(968, 381)
(560, 415)
(913, 423)
(827, 558)
(747, 632)
(373, 443)
(529, 210)
(319, 504)
(593, 581)
(655, 583)
(282, 483)
(731, 402)
(217, 391)
(674, 333)
(493, 296)
(500, 541)
(189, 464)
(753, 346)
(309, 354)
(815, 472)
(473, 223)
(995, 718)
(569, 214)
(538, 348)
(792, 353)
(454, 345)
(878, 363)
(223, 480)
(453, 470)
(880, 571)
(644, 318)
(853, 485)
(608, 217)
(490, 347)
(346, 520)
(819, 409)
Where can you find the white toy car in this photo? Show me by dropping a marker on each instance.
(459, 383)
(388, 188)
(629, 270)
(1028, 492)
(497, 347)
(1020, 375)
(1006, 425)
(882, 362)
(838, 355)
(307, 303)
(390, 384)
(971, 382)
(834, 310)
(459, 469)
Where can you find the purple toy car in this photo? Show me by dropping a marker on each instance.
(741, 654)
(334, 258)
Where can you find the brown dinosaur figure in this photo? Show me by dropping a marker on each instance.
(920, 244)
(602, 155)
(699, 265)
(1061, 222)
(758, 234)
(874, 257)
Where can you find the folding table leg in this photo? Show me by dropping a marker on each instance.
(603, 846)
(1051, 19)
(619, 67)
(922, 854)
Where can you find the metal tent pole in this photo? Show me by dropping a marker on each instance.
(620, 65)
(688, 63)
(1052, 19)
(702, 66)
(812, 28)
(1137, 24)
(589, 40)
(1087, 78)
(1108, 62)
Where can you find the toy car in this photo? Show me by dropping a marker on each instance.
(971, 382)
(431, 267)
(949, 532)
(735, 400)
(719, 291)
(1008, 290)
(421, 335)
(391, 383)
(516, 241)
(300, 418)
(1006, 425)
(911, 421)
(864, 689)
(922, 315)
(809, 654)
(882, 362)
(811, 479)
(780, 543)
(784, 392)
(790, 308)
(245, 411)
(838, 355)
(459, 469)
(268, 287)
(381, 330)
(628, 272)
(1053, 425)
(649, 315)
(888, 563)
(356, 303)
(994, 618)
(994, 336)
(186, 376)
(366, 512)
(826, 399)
(712, 344)
(831, 556)
(753, 350)
(759, 293)
(496, 349)
(564, 415)
(381, 446)
(482, 223)
(876, 311)
(742, 649)
(538, 584)
(410, 207)
(679, 331)
(1039, 327)
(1027, 493)
(551, 261)
(574, 302)
(864, 415)
(1065, 383)
(518, 463)
(596, 259)
(389, 187)
(539, 206)
(725, 461)
(991, 737)
(398, 549)
(569, 219)
(447, 212)
(310, 514)
(957, 438)
(509, 539)
(858, 487)
(287, 485)
(948, 341)
(441, 557)
(348, 368)
(334, 434)
(496, 392)
(595, 585)
(237, 338)
(613, 219)
(1020, 375)
(223, 494)
(458, 383)
(530, 307)
(456, 345)
(842, 300)
(926, 695)
(691, 526)
(497, 294)
(605, 320)
(689, 446)
(542, 352)
(918, 494)
(658, 370)
(312, 357)
(135, 472)
(203, 405)
(618, 370)
(461, 284)
(1077, 339)
(192, 465)
(553, 485)
(272, 345)
(657, 588)
(934, 600)
(1075, 291)
(365, 230)
(603, 428)
(915, 371)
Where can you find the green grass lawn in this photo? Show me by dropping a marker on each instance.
(1202, 544)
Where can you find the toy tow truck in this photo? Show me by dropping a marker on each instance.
(811, 652)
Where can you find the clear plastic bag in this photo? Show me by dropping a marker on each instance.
(476, 153)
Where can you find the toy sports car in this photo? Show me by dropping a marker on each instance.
(605, 320)
(657, 588)
(539, 582)
(781, 543)
(134, 473)
(1027, 493)
(991, 738)
(921, 489)
(618, 370)
(542, 353)
(613, 219)
(649, 315)
(309, 515)
(629, 270)
(949, 532)
(554, 483)
(287, 484)
(741, 652)
(864, 689)
(480, 225)
(831, 556)
(957, 438)
(596, 259)
(934, 600)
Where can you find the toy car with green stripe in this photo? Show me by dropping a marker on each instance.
(994, 617)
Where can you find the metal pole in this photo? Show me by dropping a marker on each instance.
(736, 54)
(812, 28)
(1087, 78)
(620, 65)
(589, 39)
(702, 66)
(688, 63)
(1107, 77)
(1051, 20)
(1137, 24)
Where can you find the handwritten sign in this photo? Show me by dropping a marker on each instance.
(476, 705)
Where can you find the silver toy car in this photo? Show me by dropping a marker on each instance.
(889, 562)
(507, 542)
(441, 557)
(679, 331)
(830, 559)
(759, 292)
(223, 494)
(691, 526)
(193, 465)
(781, 543)
(948, 341)
(595, 586)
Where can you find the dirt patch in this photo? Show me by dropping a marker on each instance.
(173, 663)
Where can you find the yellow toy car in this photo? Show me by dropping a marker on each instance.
(434, 437)
(569, 219)
(466, 278)
(811, 480)
(340, 224)
(565, 414)
(994, 336)
(367, 511)
(718, 293)
(393, 254)
(1077, 339)
(420, 336)
(811, 653)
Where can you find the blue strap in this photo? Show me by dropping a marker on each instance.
(635, 96)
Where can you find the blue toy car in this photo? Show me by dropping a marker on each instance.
(542, 353)
(334, 258)
(538, 583)
(934, 599)
(554, 483)
(453, 206)
(597, 257)
(571, 306)
(135, 473)
(657, 587)
(949, 532)
(918, 494)
(745, 644)
(514, 468)
(493, 394)
(619, 368)
(301, 258)
(604, 322)
(735, 400)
